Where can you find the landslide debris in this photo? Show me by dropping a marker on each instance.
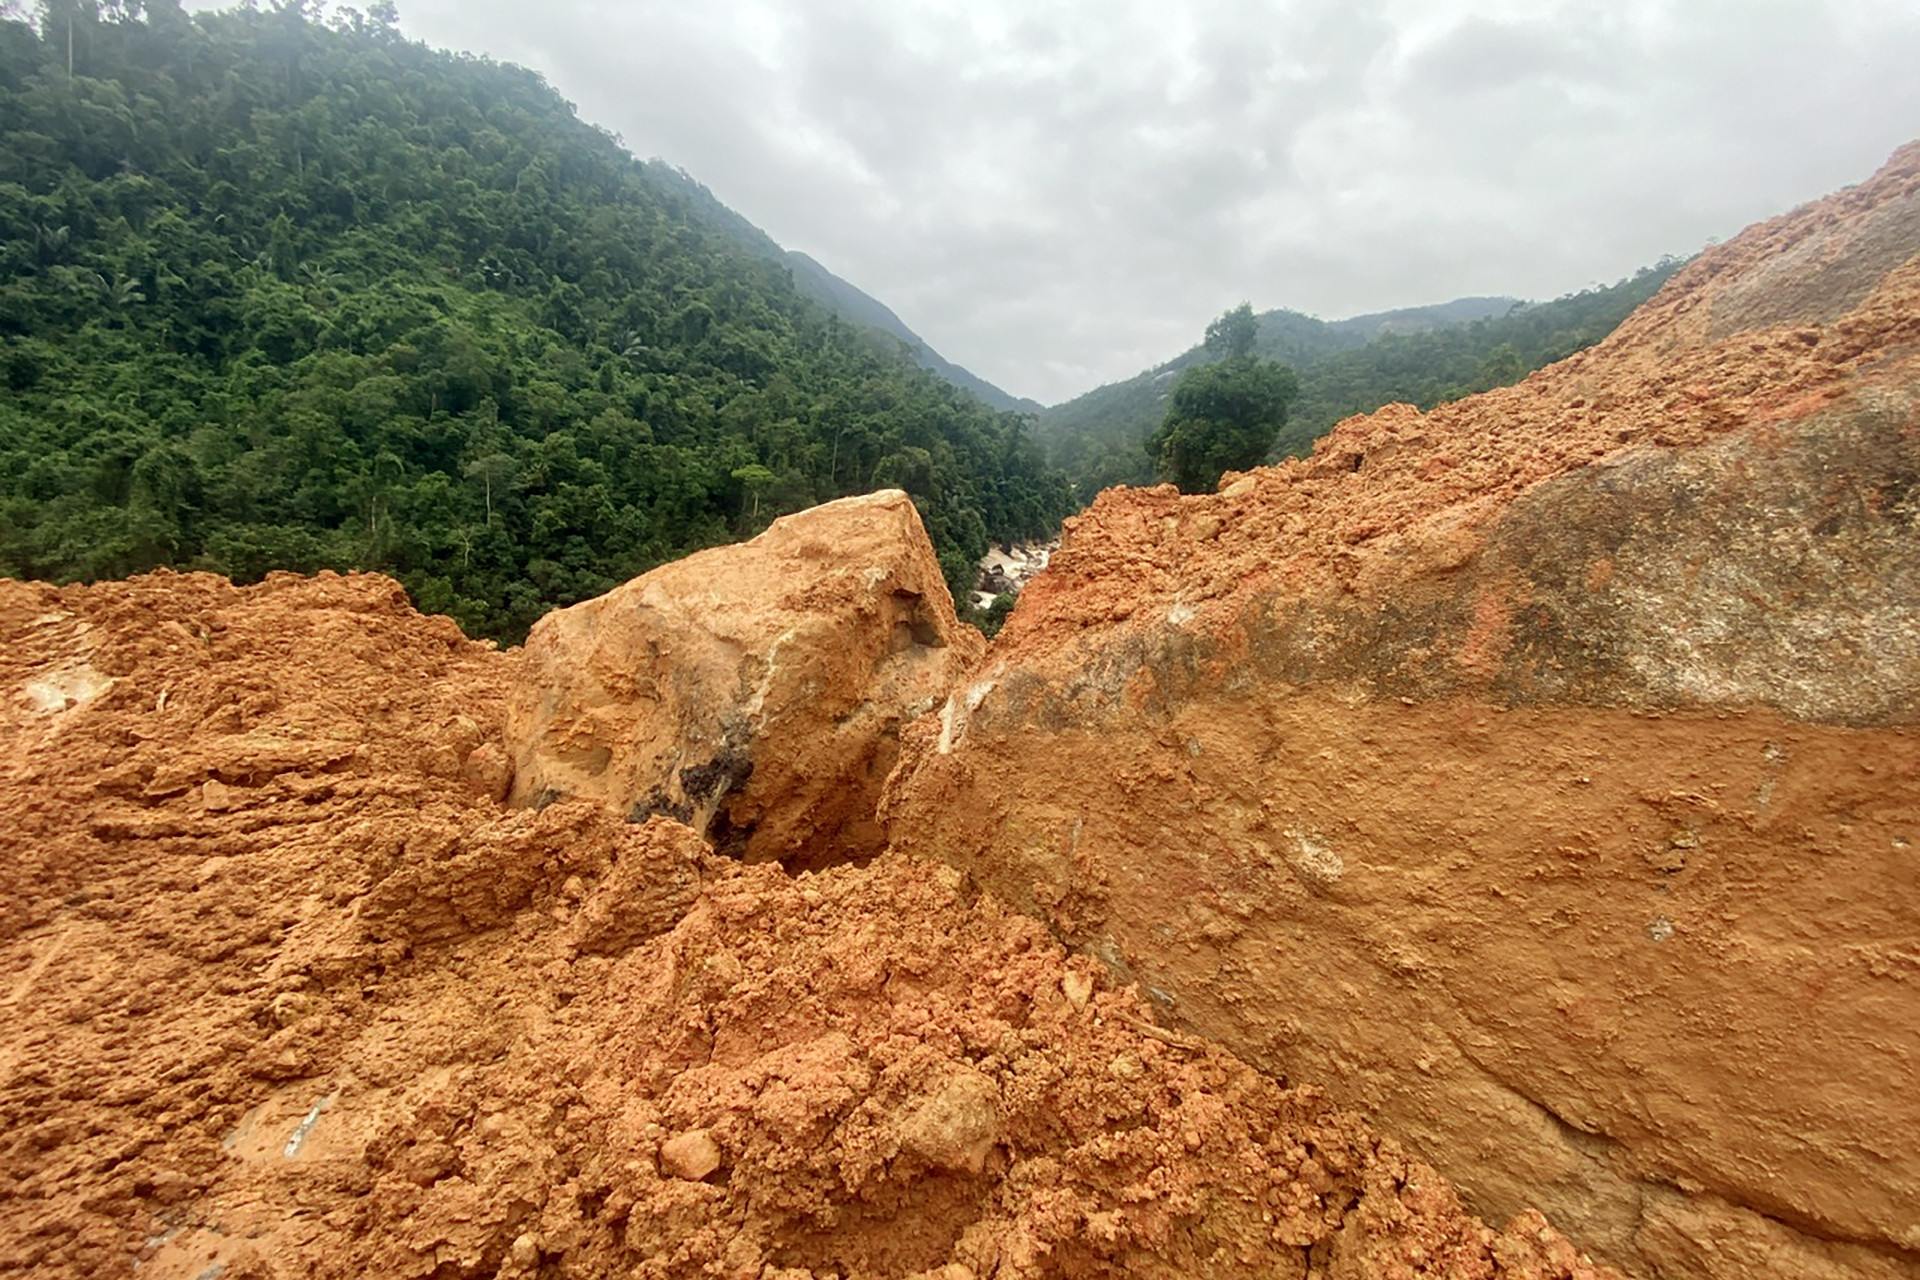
(1568, 731)
(1814, 310)
(292, 991)
(289, 991)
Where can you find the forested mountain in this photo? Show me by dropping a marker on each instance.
(842, 298)
(278, 293)
(1421, 355)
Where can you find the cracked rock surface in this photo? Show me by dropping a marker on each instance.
(755, 691)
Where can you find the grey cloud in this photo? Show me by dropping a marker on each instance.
(1480, 56)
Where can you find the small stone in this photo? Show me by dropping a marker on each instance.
(290, 1007)
(958, 1126)
(525, 1252)
(691, 1156)
(487, 772)
(1077, 987)
(1126, 1067)
(1667, 861)
(217, 796)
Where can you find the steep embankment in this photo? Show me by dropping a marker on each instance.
(1539, 774)
(288, 992)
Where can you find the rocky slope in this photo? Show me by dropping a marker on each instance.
(1538, 774)
(290, 991)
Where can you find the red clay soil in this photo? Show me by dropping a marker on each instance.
(288, 992)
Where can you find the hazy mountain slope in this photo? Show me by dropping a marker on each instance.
(848, 301)
(1420, 355)
(815, 281)
(1418, 319)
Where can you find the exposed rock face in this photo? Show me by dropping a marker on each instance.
(753, 691)
(1540, 774)
(1007, 569)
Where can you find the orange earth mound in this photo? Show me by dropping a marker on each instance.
(289, 992)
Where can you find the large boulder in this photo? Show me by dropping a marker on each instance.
(755, 691)
(1539, 775)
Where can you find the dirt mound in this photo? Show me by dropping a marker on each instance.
(289, 992)
(1567, 732)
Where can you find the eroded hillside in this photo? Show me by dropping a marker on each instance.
(1538, 773)
(1530, 786)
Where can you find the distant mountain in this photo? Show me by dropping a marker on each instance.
(1421, 355)
(849, 302)
(1419, 319)
(845, 300)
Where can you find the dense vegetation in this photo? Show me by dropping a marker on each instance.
(1348, 367)
(278, 292)
(1223, 415)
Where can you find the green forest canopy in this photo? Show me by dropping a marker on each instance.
(278, 292)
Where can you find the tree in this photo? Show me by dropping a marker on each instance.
(756, 478)
(495, 470)
(1223, 416)
(1231, 336)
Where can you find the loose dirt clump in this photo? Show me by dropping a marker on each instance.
(289, 992)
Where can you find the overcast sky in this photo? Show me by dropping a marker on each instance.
(1059, 193)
